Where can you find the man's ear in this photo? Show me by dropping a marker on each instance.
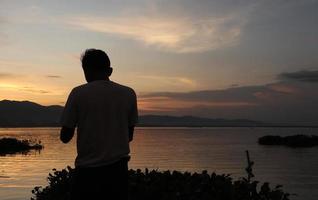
(109, 71)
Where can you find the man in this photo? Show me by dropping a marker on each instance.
(105, 114)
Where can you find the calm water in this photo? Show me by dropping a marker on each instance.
(188, 149)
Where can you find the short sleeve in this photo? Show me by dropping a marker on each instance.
(70, 113)
(133, 115)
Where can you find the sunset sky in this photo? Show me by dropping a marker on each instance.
(218, 59)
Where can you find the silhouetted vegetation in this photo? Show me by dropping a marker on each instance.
(291, 141)
(173, 185)
(13, 145)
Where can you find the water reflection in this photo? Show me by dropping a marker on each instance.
(22, 153)
(187, 149)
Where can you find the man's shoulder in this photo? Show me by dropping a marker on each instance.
(123, 88)
(79, 88)
(87, 87)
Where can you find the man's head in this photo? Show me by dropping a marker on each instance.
(96, 65)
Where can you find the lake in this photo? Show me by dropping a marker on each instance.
(220, 150)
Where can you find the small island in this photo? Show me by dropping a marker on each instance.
(290, 141)
(13, 146)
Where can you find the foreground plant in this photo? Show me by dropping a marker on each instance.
(173, 185)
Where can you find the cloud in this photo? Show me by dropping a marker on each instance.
(292, 102)
(165, 103)
(32, 90)
(169, 81)
(18, 83)
(8, 76)
(174, 34)
(19, 87)
(303, 76)
(241, 94)
(5, 75)
(53, 76)
(234, 85)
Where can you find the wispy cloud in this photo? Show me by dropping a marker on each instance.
(53, 76)
(5, 75)
(34, 90)
(180, 35)
(170, 81)
(283, 88)
(19, 87)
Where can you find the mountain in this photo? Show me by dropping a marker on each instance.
(26, 113)
(191, 121)
(29, 114)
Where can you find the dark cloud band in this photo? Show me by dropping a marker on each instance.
(304, 76)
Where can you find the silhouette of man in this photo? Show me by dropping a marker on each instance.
(105, 114)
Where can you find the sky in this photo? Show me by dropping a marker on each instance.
(219, 59)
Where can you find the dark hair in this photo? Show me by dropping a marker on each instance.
(95, 59)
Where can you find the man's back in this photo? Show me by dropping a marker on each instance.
(102, 110)
(105, 114)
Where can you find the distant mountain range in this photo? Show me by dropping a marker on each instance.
(30, 114)
(191, 121)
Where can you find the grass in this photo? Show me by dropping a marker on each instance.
(13, 146)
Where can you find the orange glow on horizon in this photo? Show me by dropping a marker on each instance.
(163, 103)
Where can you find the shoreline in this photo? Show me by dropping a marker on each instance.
(155, 126)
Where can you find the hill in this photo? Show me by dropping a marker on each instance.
(30, 114)
(26, 113)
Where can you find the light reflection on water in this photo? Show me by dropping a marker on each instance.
(187, 149)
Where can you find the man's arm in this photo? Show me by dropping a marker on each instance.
(131, 132)
(69, 118)
(133, 116)
(66, 134)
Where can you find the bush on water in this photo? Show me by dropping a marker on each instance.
(13, 145)
(290, 141)
(173, 185)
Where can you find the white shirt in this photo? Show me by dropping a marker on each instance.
(102, 111)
